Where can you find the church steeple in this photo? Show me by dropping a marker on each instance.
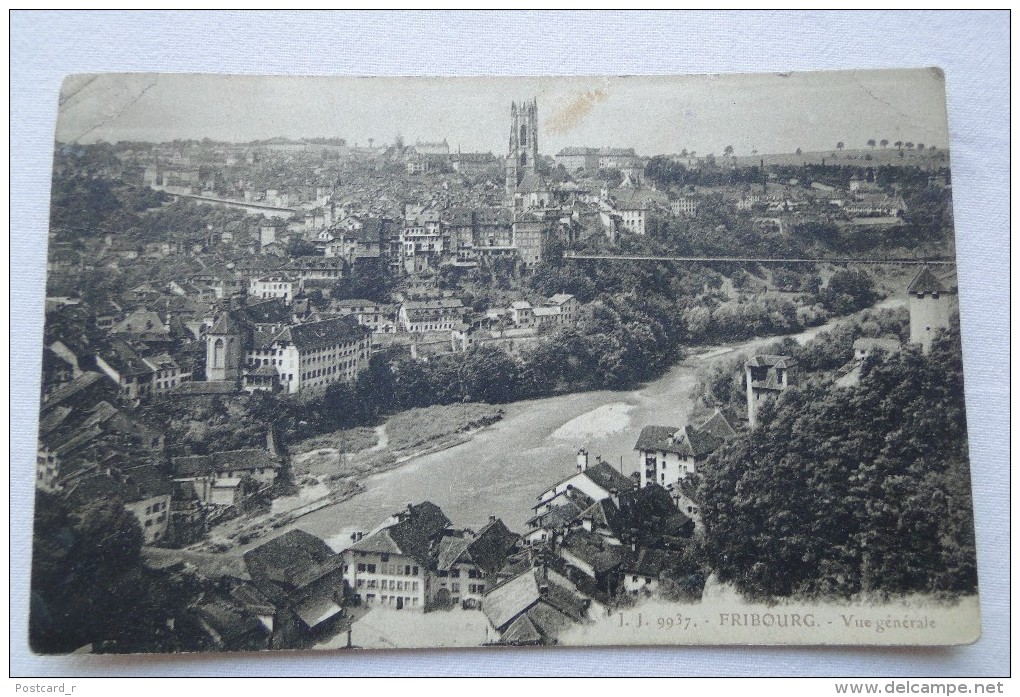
(522, 158)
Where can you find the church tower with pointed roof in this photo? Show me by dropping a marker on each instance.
(931, 305)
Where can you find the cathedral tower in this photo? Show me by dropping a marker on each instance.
(522, 158)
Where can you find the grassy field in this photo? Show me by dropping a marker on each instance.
(420, 427)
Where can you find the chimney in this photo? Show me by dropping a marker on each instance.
(543, 589)
(614, 494)
(492, 519)
(582, 460)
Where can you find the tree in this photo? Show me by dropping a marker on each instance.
(871, 143)
(920, 146)
(908, 145)
(728, 151)
(839, 145)
(884, 143)
(798, 151)
(844, 491)
(898, 144)
(848, 291)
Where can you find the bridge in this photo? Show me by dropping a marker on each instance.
(247, 206)
(757, 260)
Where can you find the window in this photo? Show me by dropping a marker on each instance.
(361, 583)
(361, 567)
(371, 568)
(414, 570)
(454, 573)
(385, 557)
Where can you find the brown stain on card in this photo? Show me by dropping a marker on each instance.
(570, 116)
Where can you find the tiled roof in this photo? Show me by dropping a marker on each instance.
(312, 336)
(765, 360)
(450, 550)
(138, 485)
(925, 283)
(493, 545)
(718, 426)
(224, 461)
(661, 439)
(608, 478)
(592, 548)
(414, 534)
(290, 560)
(82, 382)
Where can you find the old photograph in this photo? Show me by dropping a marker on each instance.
(393, 363)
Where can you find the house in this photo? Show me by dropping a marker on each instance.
(143, 491)
(376, 316)
(57, 371)
(132, 375)
(568, 305)
(641, 571)
(227, 477)
(312, 355)
(217, 625)
(592, 562)
(544, 316)
(522, 313)
(766, 377)
(559, 505)
(684, 206)
(315, 355)
(466, 563)
(667, 455)
(395, 565)
(430, 315)
(578, 158)
(534, 607)
(137, 376)
(303, 579)
(275, 286)
(849, 375)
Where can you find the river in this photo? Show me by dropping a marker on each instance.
(503, 468)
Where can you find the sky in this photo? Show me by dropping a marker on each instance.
(654, 114)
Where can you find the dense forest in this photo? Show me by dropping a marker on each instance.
(848, 491)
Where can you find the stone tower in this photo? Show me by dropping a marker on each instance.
(224, 350)
(766, 377)
(522, 158)
(931, 304)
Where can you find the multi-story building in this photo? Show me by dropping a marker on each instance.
(430, 315)
(574, 159)
(274, 286)
(144, 493)
(394, 564)
(667, 455)
(305, 356)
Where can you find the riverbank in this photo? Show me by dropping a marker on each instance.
(330, 469)
(477, 460)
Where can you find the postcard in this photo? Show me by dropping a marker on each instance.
(377, 363)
